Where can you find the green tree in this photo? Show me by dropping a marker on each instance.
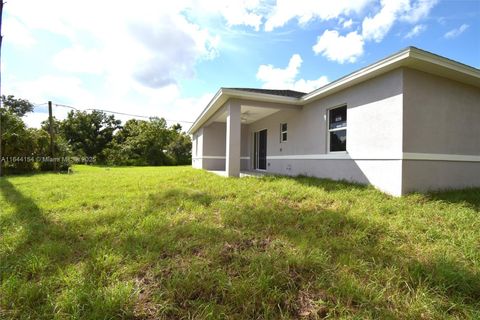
(180, 146)
(151, 143)
(61, 147)
(15, 140)
(142, 142)
(89, 133)
(18, 107)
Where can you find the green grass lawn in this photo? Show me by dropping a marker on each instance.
(148, 243)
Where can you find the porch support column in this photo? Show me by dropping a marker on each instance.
(232, 159)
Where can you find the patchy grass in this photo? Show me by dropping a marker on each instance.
(152, 243)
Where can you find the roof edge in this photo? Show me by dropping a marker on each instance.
(399, 59)
(394, 58)
(223, 94)
(445, 62)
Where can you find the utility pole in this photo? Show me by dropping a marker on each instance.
(1, 102)
(50, 120)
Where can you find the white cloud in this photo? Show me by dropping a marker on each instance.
(375, 28)
(415, 31)
(347, 23)
(146, 40)
(136, 52)
(241, 12)
(62, 88)
(81, 60)
(35, 119)
(166, 102)
(173, 49)
(303, 85)
(278, 78)
(418, 10)
(456, 32)
(307, 10)
(17, 33)
(339, 48)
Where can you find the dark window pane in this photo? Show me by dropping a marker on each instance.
(284, 136)
(338, 140)
(284, 127)
(338, 118)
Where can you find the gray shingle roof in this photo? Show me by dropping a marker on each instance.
(285, 93)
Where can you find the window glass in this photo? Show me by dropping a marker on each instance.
(338, 118)
(283, 132)
(338, 140)
(337, 127)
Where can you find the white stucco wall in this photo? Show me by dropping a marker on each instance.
(374, 136)
(391, 119)
(211, 155)
(197, 149)
(441, 118)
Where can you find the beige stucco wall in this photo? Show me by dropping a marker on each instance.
(374, 130)
(374, 121)
(441, 117)
(401, 113)
(215, 134)
(211, 155)
(197, 149)
(421, 176)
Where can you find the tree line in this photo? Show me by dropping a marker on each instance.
(87, 137)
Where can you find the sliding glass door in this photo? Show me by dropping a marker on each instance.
(260, 150)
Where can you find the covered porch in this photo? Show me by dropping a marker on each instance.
(225, 143)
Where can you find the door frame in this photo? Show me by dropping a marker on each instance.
(256, 149)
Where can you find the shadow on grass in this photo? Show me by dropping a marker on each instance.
(353, 243)
(178, 195)
(35, 268)
(468, 197)
(318, 253)
(262, 260)
(325, 184)
(28, 259)
(27, 216)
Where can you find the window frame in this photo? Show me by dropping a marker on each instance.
(282, 132)
(336, 129)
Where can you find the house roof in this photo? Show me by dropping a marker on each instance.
(410, 57)
(283, 93)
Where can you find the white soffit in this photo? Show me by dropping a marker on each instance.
(249, 114)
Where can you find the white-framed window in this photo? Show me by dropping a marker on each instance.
(337, 129)
(283, 132)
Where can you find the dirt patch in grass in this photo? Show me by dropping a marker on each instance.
(311, 305)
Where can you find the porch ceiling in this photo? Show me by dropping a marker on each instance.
(249, 114)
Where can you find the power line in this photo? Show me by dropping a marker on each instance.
(39, 104)
(65, 106)
(121, 113)
(115, 112)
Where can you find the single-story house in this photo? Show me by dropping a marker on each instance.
(410, 122)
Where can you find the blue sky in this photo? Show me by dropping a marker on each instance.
(160, 59)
